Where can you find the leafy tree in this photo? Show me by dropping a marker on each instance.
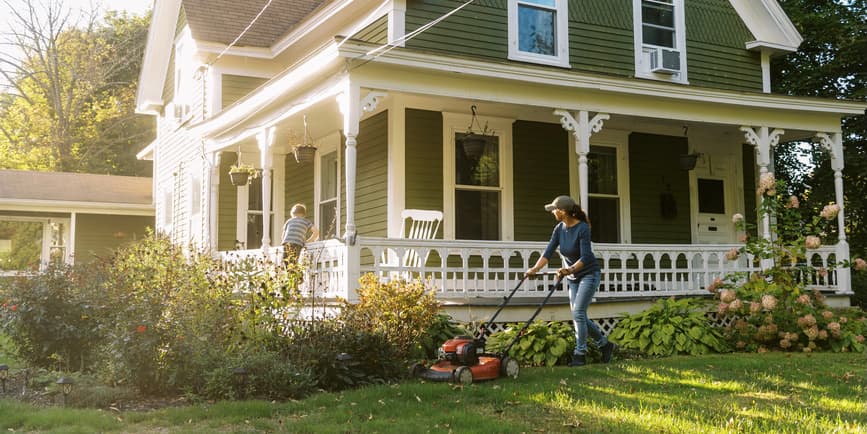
(831, 63)
(71, 84)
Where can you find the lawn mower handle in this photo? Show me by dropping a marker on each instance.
(536, 313)
(481, 334)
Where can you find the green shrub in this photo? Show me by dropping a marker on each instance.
(266, 375)
(400, 311)
(670, 327)
(543, 343)
(342, 356)
(52, 317)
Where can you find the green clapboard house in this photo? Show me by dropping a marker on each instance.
(656, 115)
(68, 218)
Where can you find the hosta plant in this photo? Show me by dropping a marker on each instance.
(670, 327)
(543, 343)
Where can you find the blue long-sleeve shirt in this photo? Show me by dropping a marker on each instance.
(574, 244)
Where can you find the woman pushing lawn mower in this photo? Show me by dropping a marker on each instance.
(581, 271)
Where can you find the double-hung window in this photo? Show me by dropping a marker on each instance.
(256, 214)
(604, 194)
(539, 31)
(660, 43)
(477, 188)
(29, 243)
(329, 180)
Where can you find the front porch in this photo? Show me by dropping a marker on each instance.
(472, 277)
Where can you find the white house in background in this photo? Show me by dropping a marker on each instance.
(599, 100)
(56, 217)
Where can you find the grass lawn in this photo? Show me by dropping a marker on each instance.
(761, 393)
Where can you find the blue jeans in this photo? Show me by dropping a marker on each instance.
(581, 292)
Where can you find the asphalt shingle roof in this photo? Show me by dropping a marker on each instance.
(75, 187)
(223, 20)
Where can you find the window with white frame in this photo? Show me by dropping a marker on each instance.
(659, 39)
(477, 181)
(329, 181)
(28, 244)
(256, 215)
(539, 31)
(604, 194)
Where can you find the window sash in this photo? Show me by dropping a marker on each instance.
(537, 29)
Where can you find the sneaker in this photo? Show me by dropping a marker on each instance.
(578, 360)
(608, 351)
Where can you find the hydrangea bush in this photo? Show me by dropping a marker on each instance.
(775, 309)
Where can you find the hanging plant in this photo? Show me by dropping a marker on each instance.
(305, 151)
(240, 173)
(474, 143)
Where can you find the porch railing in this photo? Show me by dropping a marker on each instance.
(465, 270)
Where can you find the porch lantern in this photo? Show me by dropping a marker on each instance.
(304, 152)
(687, 161)
(4, 374)
(66, 385)
(474, 143)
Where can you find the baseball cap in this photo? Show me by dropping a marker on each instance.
(560, 202)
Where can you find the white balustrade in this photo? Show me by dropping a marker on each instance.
(485, 269)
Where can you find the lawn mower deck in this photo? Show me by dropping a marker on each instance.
(464, 360)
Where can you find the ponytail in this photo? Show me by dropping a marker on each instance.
(579, 214)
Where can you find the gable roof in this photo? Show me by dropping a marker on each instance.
(222, 21)
(62, 190)
(769, 24)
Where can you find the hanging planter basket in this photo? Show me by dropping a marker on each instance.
(239, 179)
(474, 145)
(687, 161)
(304, 153)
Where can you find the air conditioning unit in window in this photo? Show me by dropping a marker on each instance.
(665, 61)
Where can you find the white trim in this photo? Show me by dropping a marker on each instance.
(619, 140)
(561, 58)
(770, 25)
(148, 152)
(311, 69)
(642, 50)
(397, 22)
(73, 223)
(45, 244)
(396, 164)
(501, 127)
(766, 71)
(328, 144)
(158, 49)
(572, 80)
(35, 205)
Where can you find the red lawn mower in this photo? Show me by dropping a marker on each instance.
(464, 360)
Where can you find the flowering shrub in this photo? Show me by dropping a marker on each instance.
(774, 309)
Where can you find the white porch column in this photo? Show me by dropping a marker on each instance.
(833, 143)
(213, 241)
(763, 140)
(351, 108)
(265, 139)
(582, 129)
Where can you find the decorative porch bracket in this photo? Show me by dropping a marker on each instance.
(582, 129)
(265, 139)
(371, 100)
(763, 140)
(833, 143)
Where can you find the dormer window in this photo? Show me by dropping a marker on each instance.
(660, 45)
(539, 31)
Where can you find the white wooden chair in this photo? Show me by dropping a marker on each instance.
(416, 224)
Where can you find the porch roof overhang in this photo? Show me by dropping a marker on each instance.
(506, 82)
(295, 90)
(324, 75)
